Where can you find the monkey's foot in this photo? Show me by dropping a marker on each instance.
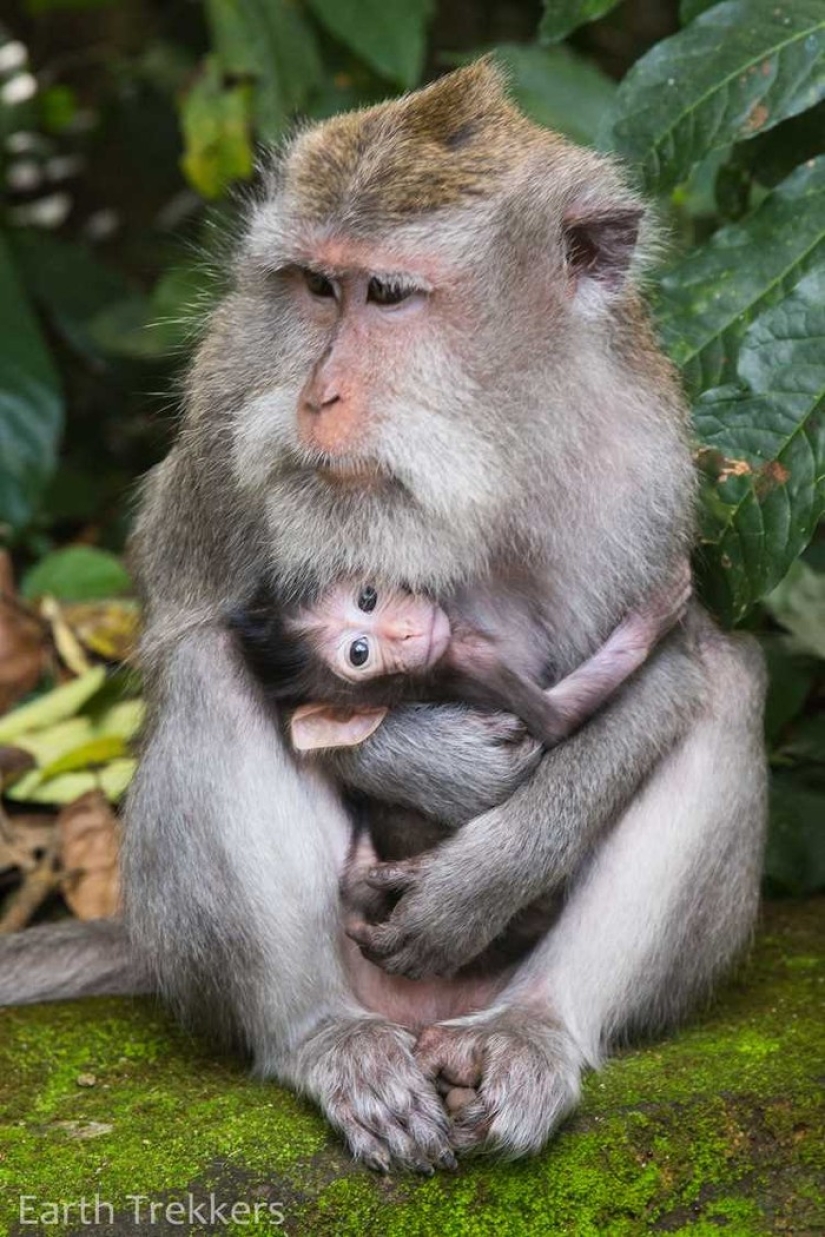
(508, 1079)
(363, 1074)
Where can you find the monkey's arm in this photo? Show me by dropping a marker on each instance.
(444, 760)
(456, 900)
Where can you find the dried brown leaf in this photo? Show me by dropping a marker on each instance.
(89, 837)
(23, 645)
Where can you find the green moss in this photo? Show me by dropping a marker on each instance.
(718, 1127)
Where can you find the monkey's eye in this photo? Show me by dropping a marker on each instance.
(359, 652)
(367, 599)
(318, 284)
(387, 292)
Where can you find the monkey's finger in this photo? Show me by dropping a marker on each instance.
(392, 876)
(471, 1126)
(376, 941)
(452, 1056)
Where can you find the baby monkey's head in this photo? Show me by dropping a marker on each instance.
(367, 631)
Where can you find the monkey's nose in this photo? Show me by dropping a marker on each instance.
(401, 630)
(322, 401)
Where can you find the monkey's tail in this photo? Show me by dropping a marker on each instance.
(61, 961)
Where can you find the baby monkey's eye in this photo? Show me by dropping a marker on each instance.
(359, 652)
(367, 599)
(318, 284)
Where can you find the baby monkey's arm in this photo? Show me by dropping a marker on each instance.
(554, 714)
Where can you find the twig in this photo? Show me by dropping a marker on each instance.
(37, 885)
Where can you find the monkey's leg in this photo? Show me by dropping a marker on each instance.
(446, 761)
(665, 904)
(231, 864)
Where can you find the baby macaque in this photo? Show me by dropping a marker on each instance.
(343, 660)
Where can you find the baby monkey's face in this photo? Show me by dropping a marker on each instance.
(364, 631)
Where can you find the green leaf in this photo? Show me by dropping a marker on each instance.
(86, 756)
(689, 10)
(738, 70)
(54, 706)
(791, 677)
(563, 16)
(216, 130)
(78, 573)
(269, 41)
(773, 155)
(389, 34)
(113, 780)
(705, 302)
(70, 284)
(147, 327)
(49, 743)
(31, 404)
(120, 721)
(795, 858)
(762, 457)
(558, 89)
(58, 107)
(807, 743)
(798, 604)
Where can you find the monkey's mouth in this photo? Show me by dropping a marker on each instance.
(352, 474)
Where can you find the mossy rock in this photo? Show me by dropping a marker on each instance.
(719, 1127)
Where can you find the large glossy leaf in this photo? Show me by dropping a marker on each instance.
(31, 405)
(762, 454)
(559, 89)
(389, 34)
(798, 603)
(70, 284)
(795, 857)
(705, 302)
(562, 16)
(739, 69)
(270, 41)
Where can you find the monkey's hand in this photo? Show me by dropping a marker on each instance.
(439, 921)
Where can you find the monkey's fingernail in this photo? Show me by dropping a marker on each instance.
(386, 876)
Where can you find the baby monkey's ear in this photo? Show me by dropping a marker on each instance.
(314, 726)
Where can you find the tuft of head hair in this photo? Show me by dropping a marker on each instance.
(278, 657)
(455, 140)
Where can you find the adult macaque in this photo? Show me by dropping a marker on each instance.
(434, 369)
(358, 650)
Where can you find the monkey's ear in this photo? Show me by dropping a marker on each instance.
(600, 242)
(313, 726)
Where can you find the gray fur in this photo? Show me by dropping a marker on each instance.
(66, 960)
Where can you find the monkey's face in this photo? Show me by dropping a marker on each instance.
(365, 631)
(366, 425)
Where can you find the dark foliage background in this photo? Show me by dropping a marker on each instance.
(128, 129)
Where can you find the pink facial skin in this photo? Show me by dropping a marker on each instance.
(364, 632)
